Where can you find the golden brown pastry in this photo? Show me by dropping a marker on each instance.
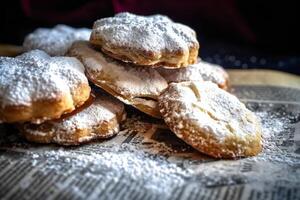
(36, 87)
(201, 71)
(98, 118)
(211, 120)
(136, 86)
(151, 41)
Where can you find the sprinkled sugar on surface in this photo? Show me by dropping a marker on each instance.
(119, 163)
(55, 41)
(276, 162)
(125, 79)
(35, 76)
(129, 164)
(196, 72)
(102, 110)
(153, 33)
(209, 109)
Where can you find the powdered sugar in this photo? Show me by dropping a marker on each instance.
(102, 110)
(278, 128)
(211, 109)
(55, 41)
(35, 76)
(107, 169)
(277, 161)
(127, 80)
(153, 33)
(121, 169)
(196, 72)
(122, 163)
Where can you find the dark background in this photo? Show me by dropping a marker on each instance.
(233, 33)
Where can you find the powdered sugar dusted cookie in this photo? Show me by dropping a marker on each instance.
(150, 40)
(136, 86)
(36, 87)
(98, 118)
(201, 71)
(55, 41)
(211, 120)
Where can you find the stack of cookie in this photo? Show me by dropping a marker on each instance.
(134, 58)
(150, 63)
(50, 100)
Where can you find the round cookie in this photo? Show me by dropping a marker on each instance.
(98, 118)
(201, 71)
(36, 87)
(136, 86)
(152, 40)
(55, 41)
(211, 120)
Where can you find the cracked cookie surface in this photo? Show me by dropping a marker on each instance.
(98, 118)
(37, 87)
(146, 40)
(211, 120)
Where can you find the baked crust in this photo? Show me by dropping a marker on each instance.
(36, 87)
(211, 120)
(200, 71)
(146, 41)
(136, 86)
(98, 118)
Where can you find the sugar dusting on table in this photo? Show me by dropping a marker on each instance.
(129, 164)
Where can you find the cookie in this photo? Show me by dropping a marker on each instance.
(98, 118)
(55, 41)
(211, 120)
(146, 40)
(201, 71)
(136, 86)
(36, 87)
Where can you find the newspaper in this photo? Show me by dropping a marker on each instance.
(147, 161)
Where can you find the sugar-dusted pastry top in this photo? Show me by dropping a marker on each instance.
(35, 76)
(103, 109)
(156, 39)
(99, 118)
(136, 86)
(55, 41)
(210, 119)
(212, 109)
(127, 80)
(200, 71)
